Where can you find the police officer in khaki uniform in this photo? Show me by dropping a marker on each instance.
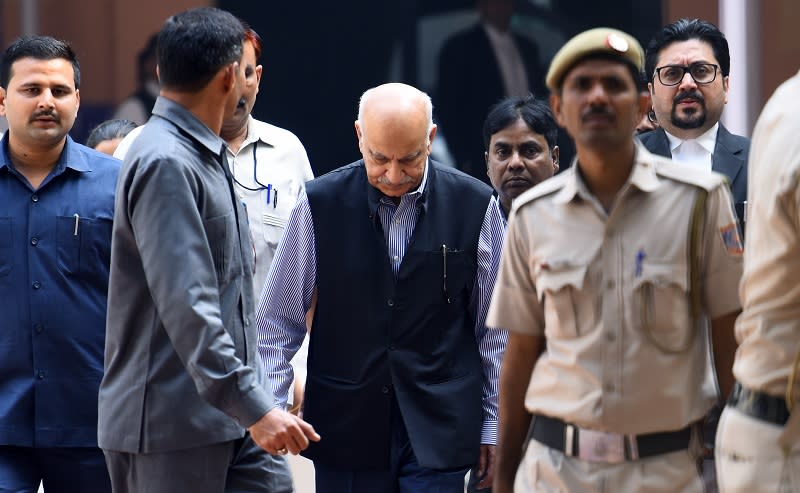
(758, 440)
(609, 276)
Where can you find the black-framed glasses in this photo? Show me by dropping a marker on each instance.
(702, 73)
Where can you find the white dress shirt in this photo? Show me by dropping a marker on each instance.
(695, 152)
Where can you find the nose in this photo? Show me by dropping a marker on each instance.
(515, 162)
(597, 94)
(394, 174)
(46, 99)
(687, 82)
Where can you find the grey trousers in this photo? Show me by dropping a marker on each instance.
(238, 466)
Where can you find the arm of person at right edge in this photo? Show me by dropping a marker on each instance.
(281, 313)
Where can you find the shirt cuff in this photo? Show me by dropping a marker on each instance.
(489, 432)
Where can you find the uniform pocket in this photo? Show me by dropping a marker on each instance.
(556, 287)
(661, 293)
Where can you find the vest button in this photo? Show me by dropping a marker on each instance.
(390, 302)
(385, 389)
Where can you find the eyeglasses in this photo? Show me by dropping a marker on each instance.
(702, 73)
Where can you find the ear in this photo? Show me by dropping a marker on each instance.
(229, 76)
(431, 136)
(2, 101)
(651, 88)
(259, 70)
(726, 86)
(77, 100)
(555, 154)
(555, 105)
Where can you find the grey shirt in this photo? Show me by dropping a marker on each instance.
(181, 361)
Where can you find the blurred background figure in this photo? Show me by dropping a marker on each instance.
(137, 106)
(107, 136)
(478, 67)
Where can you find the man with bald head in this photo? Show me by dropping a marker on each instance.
(402, 372)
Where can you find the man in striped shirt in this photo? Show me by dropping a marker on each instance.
(402, 371)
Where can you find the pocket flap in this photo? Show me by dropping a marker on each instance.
(662, 275)
(555, 277)
(274, 220)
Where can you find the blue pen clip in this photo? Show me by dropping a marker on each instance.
(269, 188)
(640, 256)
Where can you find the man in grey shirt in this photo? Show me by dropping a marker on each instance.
(182, 404)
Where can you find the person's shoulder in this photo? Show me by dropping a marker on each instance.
(651, 136)
(733, 139)
(97, 162)
(341, 172)
(460, 177)
(679, 173)
(275, 135)
(544, 189)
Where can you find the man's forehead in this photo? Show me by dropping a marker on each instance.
(32, 68)
(692, 49)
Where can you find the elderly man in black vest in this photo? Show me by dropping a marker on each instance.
(402, 372)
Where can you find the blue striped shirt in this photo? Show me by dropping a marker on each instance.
(290, 284)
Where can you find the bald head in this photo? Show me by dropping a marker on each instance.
(395, 130)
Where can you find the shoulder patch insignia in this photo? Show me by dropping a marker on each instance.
(731, 239)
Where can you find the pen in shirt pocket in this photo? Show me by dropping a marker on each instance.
(77, 220)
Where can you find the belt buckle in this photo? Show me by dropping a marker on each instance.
(599, 446)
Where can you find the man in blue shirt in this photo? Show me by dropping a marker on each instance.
(56, 207)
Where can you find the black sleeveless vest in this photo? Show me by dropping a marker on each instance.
(376, 337)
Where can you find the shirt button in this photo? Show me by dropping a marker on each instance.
(35, 198)
(34, 241)
(37, 285)
(396, 258)
(609, 387)
(38, 328)
(610, 284)
(246, 323)
(41, 375)
(610, 336)
(390, 302)
(397, 221)
(385, 389)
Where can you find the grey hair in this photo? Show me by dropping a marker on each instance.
(426, 100)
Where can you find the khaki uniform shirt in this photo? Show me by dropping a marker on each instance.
(609, 294)
(769, 328)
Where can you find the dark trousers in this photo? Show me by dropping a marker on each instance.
(228, 467)
(60, 470)
(404, 474)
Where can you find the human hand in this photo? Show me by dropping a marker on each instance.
(486, 466)
(279, 432)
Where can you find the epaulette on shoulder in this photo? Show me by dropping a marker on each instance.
(691, 175)
(547, 187)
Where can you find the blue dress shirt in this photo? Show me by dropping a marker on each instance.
(55, 245)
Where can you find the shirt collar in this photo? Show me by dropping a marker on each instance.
(69, 158)
(188, 123)
(643, 176)
(707, 141)
(419, 194)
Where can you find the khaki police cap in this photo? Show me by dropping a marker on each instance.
(599, 40)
